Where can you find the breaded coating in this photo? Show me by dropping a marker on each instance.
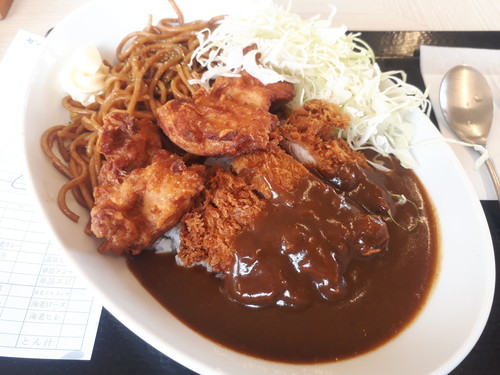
(273, 173)
(309, 135)
(127, 143)
(222, 210)
(320, 115)
(232, 119)
(133, 214)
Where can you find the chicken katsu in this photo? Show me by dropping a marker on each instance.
(310, 135)
(318, 235)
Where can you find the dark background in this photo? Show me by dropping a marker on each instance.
(119, 351)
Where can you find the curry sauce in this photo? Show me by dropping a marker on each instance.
(381, 295)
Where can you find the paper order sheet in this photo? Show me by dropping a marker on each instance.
(45, 309)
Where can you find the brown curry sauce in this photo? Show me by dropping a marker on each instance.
(382, 294)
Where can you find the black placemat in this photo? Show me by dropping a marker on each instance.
(119, 351)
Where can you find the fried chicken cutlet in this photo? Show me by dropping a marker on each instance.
(231, 119)
(230, 203)
(278, 210)
(143, 191)
(309, 134)
(276, 176)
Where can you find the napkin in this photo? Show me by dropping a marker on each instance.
(434, 63)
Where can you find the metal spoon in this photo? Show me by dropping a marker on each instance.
(467, 104)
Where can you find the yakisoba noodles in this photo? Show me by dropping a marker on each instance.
(152, 68)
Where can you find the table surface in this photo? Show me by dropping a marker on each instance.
(473, 24)
(39, 16)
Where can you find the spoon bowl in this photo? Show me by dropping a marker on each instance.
(467, 105)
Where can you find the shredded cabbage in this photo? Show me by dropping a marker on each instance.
(324, 62)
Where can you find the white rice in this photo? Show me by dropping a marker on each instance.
(170, 243)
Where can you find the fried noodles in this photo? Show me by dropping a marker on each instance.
(152, 68)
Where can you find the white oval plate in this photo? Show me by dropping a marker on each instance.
(435, 342)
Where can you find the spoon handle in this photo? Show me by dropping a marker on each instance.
(494, 176)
